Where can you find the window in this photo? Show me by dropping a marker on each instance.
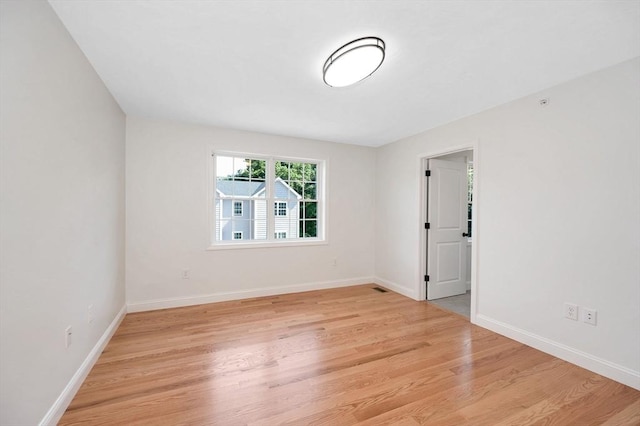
(280, 208)
(266, 199)
(237, 208)
(239, 199)
(301, 179)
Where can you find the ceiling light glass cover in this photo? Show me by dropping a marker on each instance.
(353, 62)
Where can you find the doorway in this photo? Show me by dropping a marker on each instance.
(448, 207)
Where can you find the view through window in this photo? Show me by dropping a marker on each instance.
(266, 199)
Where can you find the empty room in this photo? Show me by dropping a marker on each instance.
(319, 212)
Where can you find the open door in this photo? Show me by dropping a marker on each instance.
(446, 229)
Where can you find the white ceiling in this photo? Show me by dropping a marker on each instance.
(257, 65)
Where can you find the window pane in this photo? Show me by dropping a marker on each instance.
(309, 172)
(297, 188)
(309, 191)
(257, 170)
(296, 172)
(240, 167)
(282, 170)
(240, 217)
(260, 219)
(224, 167)
(308, 229)
(309, 210)
(239, 177)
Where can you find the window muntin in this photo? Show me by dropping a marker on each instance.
(245, 185)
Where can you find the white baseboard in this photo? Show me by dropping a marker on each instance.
(177, 302)
(603, 367)
(58, 408)
(410, 293)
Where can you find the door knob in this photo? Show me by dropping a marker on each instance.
(464, 234)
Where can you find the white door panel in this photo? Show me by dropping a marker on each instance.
(447, 217)
(448, 262)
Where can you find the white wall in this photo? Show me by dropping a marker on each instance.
(558, 207)
(62, 209)
(167, 229)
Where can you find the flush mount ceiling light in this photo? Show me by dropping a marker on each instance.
(353, 62)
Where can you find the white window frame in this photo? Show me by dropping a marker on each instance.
(270, 241)
(282, 235)
(235, 203)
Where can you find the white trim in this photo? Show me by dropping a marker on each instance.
(321, 184)
(601, 366)
(407, 292)
(177, 302)
(256, 244)
(66, 396)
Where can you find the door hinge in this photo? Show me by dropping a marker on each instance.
(427, 225)
(427, 173)
(426, 278)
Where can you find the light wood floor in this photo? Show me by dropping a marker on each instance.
(336, 357)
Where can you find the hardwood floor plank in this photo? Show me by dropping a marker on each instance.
(630, 415)
(337, 357)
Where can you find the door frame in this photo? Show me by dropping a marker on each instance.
(475, 288)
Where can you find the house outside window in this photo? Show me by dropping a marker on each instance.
(246, 185)
(237, 208)
(237, 235)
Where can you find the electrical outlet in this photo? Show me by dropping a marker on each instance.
(186, 274)
(67, 336)
(90, 314)
(590, 316)
(571, 311)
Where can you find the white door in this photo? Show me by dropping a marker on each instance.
(447, 219)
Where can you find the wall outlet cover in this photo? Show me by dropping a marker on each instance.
(590, 316)
(571, 311)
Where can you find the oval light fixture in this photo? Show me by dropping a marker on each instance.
(353, 62)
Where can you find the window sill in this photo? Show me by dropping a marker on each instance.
(269, 244)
